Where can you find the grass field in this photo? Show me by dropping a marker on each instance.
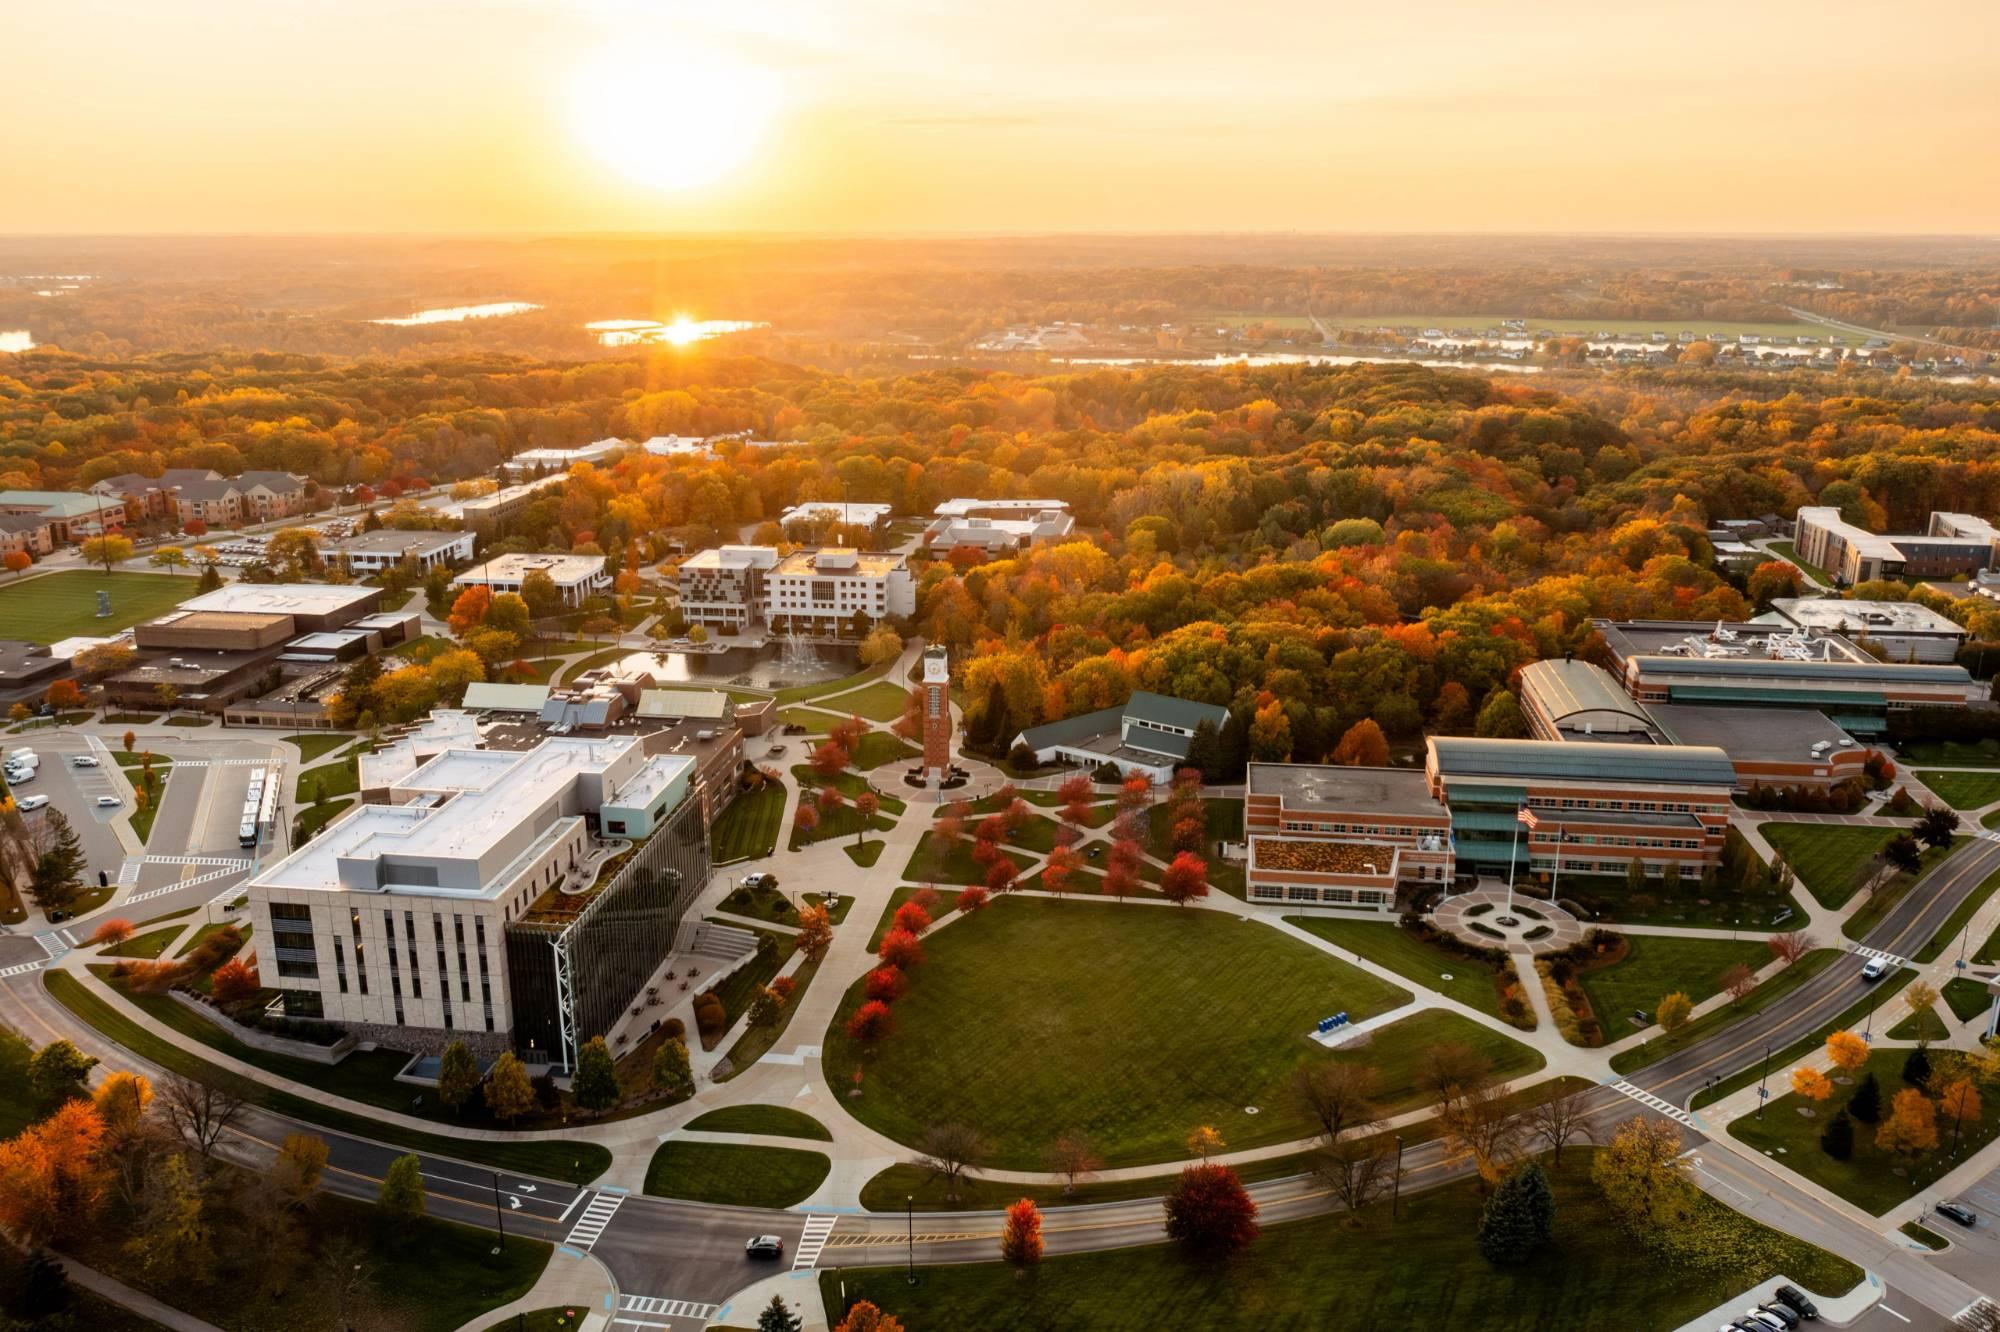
(149, 945)
(1952, 753)
(1472, 983)
(1655, 966)
(1225, 823)
(748, 828)
(64, 605)
(801, 693)
(327, 781)
(318, 744)
(1830, 859)
(725, 1173)
(1422, 1271)
(878, 747)
(816, 722)
(1132, 1024)
(1966, 998)
(1963, 790)
(930, 863)
(778, 1121)
(1791, 552)
(1728, 1015)
(881, 702)
(1924, 1026)
(1867, 1179)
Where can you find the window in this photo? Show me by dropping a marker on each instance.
(340, 965)
(410, 943)
(360, 966)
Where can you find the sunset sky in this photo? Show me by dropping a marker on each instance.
(1037, 115)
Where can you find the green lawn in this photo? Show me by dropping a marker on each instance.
(318, 744)
(64, 605)
(578, 1162)
(876, 748)
(1963, 790)
(939, 910)
(1966, 998)
(880, 702)
(1789, 550)
(1952, 753)
(815, 722)
(328, 781)
(765, 904)
(1655, 966)
(314, 817)
(1611, 901)
(850, 784)
(1422, 1270)
(725, 1173)
(777, 1121)
(864, 855)
(148, 945)
(929, 863)
(1130, 1024)
(1862, 1013)
(1225, 823)
(747, 828)
(1473, 984)
(800, 693)
(1830, 859)
(754, 1041)
(1728, 1015)
(1924, 1026)
(213, 927)
(1867, 1179)
(143, 815)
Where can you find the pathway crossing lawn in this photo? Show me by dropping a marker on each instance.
(1963, 790)
(881, 701)
(1130, 1023)
(724, 1173)
(1225, 823)
(748, 828)
(878, 747)
(815, 721)
(1868, 1178)
(957, 866)
(1953, 753)
(64, 605)
(800, 693)
(148, 946)
(779, 1121)
(1656, 965)
(1473, 984)
(318, 744)
(1830, 859)
(1424, 1271)
(851, 784)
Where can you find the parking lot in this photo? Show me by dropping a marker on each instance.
(1975, 1252)
(74, 791)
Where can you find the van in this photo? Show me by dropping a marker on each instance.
(33, 802)
(1875, 969)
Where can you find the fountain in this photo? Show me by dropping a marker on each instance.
(799, 655)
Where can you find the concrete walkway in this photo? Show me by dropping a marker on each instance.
(572, 1280)
(138, 1302)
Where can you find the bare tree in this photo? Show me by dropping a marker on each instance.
(1449, 1070)
(1560, 1119)
(951, 1151)
(1358, 1171)
(1789, 948)
(200, 1112)
(1738, 981)
(344, 1273)
(1073, 1157)
(1479, 1125)
(1337, 1097)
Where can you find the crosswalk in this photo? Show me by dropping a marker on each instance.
(1652, 1102)
(224, 867)
(1891, 958)
(236, 862)
(22, 969)
(814, 1240)
(661, 1307)
(596, 1215)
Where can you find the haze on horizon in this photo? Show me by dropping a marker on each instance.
(884, 116)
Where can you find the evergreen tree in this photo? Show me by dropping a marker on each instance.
(44, 1290)
(1205, 751)
(777, 1318)
(1520, 1217)
(1837, 1140)
(1866, 1103)
(58, 875)
(210, 580)
(994, 730)
(1236, 746)
(59, 1072)
(458, 1076)
(402, 1195)
(595, 1085)
(1917, 1068)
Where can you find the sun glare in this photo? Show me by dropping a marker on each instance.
(672, 118)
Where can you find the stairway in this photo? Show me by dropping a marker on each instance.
(724, 943)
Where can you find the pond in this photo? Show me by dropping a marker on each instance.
(777, 666)
(677, 332)
(16, 340)
(459, 313)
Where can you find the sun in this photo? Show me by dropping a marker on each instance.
(672, 118)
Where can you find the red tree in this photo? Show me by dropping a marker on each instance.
(1076, 795)
(114, 931)
(972, 899)
(927, 898)
(1000, 875)
(195, 527)
(1186, 879)
(949, 830)
(871, 1022)
(1021, 1241)
(829, 758)
(992, 828)
(887, 984)
(234, 980)
(362, 495)
(901, 949)
(805, 818)
(829, 799)
(1061, 867)
(1120, 882)
(1209, 1213)
(848, 734)
(913, 918)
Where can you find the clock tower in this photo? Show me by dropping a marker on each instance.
(937, 714)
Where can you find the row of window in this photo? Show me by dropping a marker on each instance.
(1668, 843)
(298, 956)
(1374, 897)
(1359, 829)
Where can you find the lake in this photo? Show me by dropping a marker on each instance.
(455, 314)
(16, 340)
(775, 667)
(678, 332)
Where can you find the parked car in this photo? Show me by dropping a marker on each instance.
(21, 777)
(1958, 1212)
(84, 761)
(30, 803)
(1795, 1299)
(109, 802)
(1779, 1312)
(1875, 969)
(1768, 1322)
(760, 880)
(764, 1246)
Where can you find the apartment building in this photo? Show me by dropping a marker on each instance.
(479, 902)
(577, 577)
(181, 495)
(28, 533)
(535, 462)
(1951, 544)
(70, 517)
(725, 588)
(836, 590)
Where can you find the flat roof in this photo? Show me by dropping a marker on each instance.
(1321, 856)
(710, 704)
(513, 568)
(659, 773)
(1751, 734)
(1866, 617)
(282, 598)
(959, 508)
(733, 557)
(842, 562)
(486, 696)
(1553, 760)
(1324, 786)
(1718, 640)
(846, 513)
(390, 541)
(216, 619)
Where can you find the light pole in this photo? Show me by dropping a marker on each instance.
(1766, 1073)
(910, 1233)
(1396, 1186)
(499, 1217)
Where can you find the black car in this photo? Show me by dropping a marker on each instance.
(1958, 1212)
(764, 1246)
(1795, 1299)
(1779, 1312)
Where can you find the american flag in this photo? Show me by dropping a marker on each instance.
(1526, 817)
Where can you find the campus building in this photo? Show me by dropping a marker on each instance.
(372, 552)
(836, 590)
(181, 495)
(538, 462)
(490, 899)
(1147, 733)
(1341, 836)
(724, 588)
(1902, 631)
(70, 518)
(1773, 666)
(997, 528)
(814, 514)
(577, 577)
(1951, 544)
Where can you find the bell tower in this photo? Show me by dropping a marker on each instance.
(937, 714)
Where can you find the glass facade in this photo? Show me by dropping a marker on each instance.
(613, 944)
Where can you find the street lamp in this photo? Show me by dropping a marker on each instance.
(499, 1217)
(1396, 1188)
(1761, 1093)
(910, 1233)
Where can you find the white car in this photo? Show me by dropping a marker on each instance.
(1875, 969)
(29, 803)
(109, 802)
(84, 761)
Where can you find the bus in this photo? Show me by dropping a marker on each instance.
(260, 808)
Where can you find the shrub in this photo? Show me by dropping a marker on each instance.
(710, 1017)
(1837, 1139)
(675, 1030)
(972, 899)
(912, 918)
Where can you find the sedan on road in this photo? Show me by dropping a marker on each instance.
(84, 761)
(764, 1246)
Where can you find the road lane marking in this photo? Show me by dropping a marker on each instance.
(590, 1225)
(1892, 1313)
(661, 1306)
(818, 1229)
(581, 1194)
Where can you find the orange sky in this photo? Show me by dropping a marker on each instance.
(1034, 115)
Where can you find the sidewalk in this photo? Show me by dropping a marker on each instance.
(571, 1280)
(139, 1303)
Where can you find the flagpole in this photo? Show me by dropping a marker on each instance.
(1555, 882)
(1512, 855)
